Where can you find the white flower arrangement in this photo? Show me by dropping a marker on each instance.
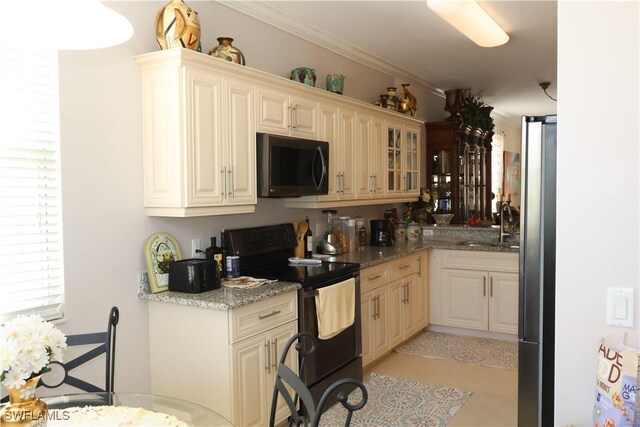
(27, 345)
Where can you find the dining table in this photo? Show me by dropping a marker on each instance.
(188, 412)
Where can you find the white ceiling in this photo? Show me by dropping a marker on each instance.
(408, 36)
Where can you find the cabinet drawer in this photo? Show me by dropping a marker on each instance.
(485, 261)
(403, 267)
(261, 316)
(372, 277)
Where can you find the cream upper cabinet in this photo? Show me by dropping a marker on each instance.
(474, 290)
(411, 164)
(198, 139)
(403, 159)
(370, 133)
(346, 165)
(329, 131)
(284, 114)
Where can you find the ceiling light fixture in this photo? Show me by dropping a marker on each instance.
(69, 25)
(545, 86)
(471, 20)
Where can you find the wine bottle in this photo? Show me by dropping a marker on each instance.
(215, 253)
(308, 240)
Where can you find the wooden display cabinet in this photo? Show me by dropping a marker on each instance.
(459, 171)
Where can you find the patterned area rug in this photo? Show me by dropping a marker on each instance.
(467, 350)
(396, 402)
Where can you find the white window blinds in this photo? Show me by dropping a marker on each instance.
(31, 268)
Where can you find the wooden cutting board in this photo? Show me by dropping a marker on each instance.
(301, 229)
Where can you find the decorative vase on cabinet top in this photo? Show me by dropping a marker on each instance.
(304, 75)
(335, 83)
(228, 52)
(177, 25)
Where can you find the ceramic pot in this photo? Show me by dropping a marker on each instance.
(304, 75)
(24, 407)
(225, 50)
(392, 102)
(335, 83)
(453, 102)
(177, 25)
(407, 103)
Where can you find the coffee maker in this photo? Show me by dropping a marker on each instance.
(381, 232)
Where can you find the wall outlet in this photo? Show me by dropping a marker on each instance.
(196, 245)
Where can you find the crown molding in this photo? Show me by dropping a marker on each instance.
(280, 19)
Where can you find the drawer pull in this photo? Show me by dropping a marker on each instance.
(273, 313)
(404, 266)
(377, 276)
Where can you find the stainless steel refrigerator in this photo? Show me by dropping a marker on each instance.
(536, 329)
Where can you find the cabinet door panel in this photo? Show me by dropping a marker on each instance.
(277, 338)
(366, 315)
(394, 158)
(380, 330)
(409, 306)
(250, 368)
(347, 123)
(395, 312)
(241, 146)
(305, 118)
(465, 299)
(204, 135)
(364, 182)
(503, 302)
(329, 132)
(377, 156)
(411, 166)
(273, 111)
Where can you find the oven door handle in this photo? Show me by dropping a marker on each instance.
(311, 294)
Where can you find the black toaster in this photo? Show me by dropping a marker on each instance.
(193, 276)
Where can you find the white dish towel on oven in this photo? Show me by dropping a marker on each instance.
(335, 308)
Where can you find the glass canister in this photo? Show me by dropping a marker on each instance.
(401, 231)
(414, 232)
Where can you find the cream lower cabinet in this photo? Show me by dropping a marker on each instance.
(475, 290)
(255, 362)
(223, 360)
(394, 304)
(198, 137)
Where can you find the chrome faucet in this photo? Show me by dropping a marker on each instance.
(505, 205)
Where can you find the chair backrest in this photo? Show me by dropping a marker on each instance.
(302, 408)
(107, 345)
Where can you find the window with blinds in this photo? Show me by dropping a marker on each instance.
(31, 267)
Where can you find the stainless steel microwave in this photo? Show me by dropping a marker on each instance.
(291, 167)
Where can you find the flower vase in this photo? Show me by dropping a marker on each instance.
(177, 25)
(24, 407)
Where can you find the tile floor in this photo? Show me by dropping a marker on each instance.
(494, 400)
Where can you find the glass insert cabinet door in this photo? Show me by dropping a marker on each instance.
(412, 165)
(394, 159)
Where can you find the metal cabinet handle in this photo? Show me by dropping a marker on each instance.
(377, 276)
(491, 287)
(224, 182)
(378, 306)
(371, 187)
(407, 285)
(273, 313)
(404, 266)
(293, 117)
(274, 344)
(231, 192)
(484, 286)
(420, 266)
(268, 357)
(290, 117)
(375, 183)
(373, 311)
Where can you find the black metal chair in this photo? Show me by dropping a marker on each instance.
(107, 346)
(301, 404)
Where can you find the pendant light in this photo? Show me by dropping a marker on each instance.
(471, 20)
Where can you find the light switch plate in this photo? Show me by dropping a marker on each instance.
(620, 307)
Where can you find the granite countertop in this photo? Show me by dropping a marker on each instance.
(219, 299)
(371, 255)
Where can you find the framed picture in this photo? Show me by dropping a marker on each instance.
(160, 250)
(512, 176)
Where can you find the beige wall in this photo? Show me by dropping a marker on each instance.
(105, 225)
(598, 188)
